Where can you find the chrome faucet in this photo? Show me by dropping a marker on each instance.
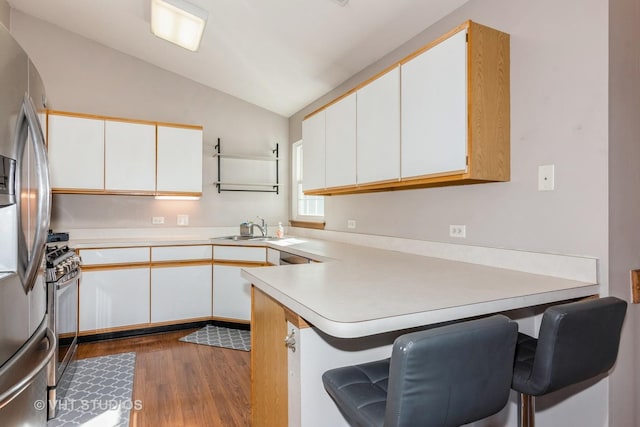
(262, 228)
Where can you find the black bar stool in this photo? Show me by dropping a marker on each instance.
(441, 377)
(577, 341)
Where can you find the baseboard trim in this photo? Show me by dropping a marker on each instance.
(160, 329)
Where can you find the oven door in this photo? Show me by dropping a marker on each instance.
(63, 316)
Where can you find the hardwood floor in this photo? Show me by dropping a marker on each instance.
(183, 384)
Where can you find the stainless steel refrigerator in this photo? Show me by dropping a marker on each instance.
(26, 344)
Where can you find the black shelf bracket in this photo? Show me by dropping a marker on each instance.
(275, 188)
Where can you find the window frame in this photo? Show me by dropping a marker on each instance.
(296, 166)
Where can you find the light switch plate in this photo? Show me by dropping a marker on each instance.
(546, 178)
(183, 219)
(351, 223)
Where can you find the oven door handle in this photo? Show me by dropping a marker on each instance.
(66, 283)
(36, 338)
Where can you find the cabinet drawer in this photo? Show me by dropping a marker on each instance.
(180, 253)
(239, 253)
(114, 256)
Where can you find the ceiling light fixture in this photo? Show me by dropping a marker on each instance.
(179, 22)
(341, 2)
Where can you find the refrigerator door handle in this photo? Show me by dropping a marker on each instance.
(29, 121)
(15, 390)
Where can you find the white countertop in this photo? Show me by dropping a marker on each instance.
(358, 290)
(367, 291)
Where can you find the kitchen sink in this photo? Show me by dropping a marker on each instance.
(249, 238)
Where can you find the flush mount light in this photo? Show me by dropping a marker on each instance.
(179, 22)
(342, 3)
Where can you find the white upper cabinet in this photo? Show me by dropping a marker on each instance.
(340, 140)
(313, 152)
(179, 160)
(76, 152)
(130, 157)
(378, 129)
(434, 109)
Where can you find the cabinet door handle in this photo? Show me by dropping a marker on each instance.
(290, 340)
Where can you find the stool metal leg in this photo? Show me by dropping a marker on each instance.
(526, 410)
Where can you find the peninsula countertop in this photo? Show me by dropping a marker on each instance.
(359, 291)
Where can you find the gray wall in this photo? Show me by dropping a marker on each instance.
(624, 204)
(558, 115)
(84, 76)
(570, 108)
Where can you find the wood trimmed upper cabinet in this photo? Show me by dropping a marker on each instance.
(434, 110)
(313, 154)
(340, 143)
(179, 160)
(454, 117)
(130, 156)
(76, 152)
(378, 129)
(105, 155)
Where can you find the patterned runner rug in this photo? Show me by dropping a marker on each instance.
(99, 394)
(218, 336)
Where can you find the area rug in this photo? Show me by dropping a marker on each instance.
(219, 336)
(100, 393)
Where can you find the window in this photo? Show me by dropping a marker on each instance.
(305, 208)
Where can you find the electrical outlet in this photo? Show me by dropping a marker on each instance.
(546, 178)
(156, 220)
(351, 223)
(183, 219)
(459, 231)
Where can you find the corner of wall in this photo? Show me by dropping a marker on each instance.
(5, 13)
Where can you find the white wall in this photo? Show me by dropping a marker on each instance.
(560, 89)
(84, 76)
(559, 116)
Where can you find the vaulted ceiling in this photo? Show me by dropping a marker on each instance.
(278, 54)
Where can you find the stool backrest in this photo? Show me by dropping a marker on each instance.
(451, 375)
(577, 341)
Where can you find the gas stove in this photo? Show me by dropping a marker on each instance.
(62, 263)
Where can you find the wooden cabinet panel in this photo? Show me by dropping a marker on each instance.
(76, 152)
(231, 293)
(340, 143)
(114, 298)
(378, 129)
(179, 160)
(179, 293)
(130, 156)
(268, 363)
(434, 109)
(313, 152)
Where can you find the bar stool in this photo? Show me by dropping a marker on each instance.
(441, 377)
(577, 341)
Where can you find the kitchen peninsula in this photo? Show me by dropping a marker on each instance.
(350, 308)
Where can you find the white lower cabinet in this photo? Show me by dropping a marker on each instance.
(114, 298)
(179, 293)
(231, 293)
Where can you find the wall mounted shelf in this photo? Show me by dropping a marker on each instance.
(250, 185)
